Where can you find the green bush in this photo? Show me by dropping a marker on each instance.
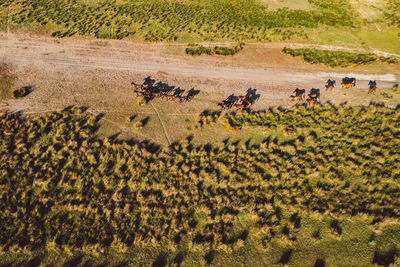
(199, 50)
(336, 58)
(196, 50)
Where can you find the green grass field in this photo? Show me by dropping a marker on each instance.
(322, 188)
(348, 23)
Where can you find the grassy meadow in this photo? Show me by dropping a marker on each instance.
(309, 21)
(321, 188)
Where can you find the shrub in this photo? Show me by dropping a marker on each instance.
(21, 92)
(331, 58)
(196, 50)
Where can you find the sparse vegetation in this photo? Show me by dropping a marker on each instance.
(336, 58)
(386, 95)
(65, 191)
(392, 12)
(6, 82)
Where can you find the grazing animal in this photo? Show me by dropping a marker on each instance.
(243, 97)
(348, 82)
(314, 94)
(372, 86)
(298, 98)
(156, 94)
(183, 98)
(138, 86)
(329, 87)
(330, 84)
(142, 93)
(311, 101)
(240, 106)
(298, 94)
(371, 89)
(169, 97)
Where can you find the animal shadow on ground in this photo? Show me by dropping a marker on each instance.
(178, 91)
(395, 86)
(99, 116)
(152, 89)
(27, 89)
(319, 263)
(192, 92)
(83, 108)
(208, 112)
(376, 104)
(285, 257)
(232, 98)
(149, 82)
(68, 108)
(253, 96)
(145, 121)
(114, 137)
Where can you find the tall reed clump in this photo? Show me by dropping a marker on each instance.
(64, 187)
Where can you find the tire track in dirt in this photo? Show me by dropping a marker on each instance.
(162, 124)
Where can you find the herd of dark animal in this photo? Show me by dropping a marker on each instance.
(149, 90)
(314, 95)
(241, 101)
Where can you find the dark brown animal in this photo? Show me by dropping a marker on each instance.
(311, 101)
(169, 97)
(296, 97)
(313, 96)
(142, 93)
(240, 106)
(298, 94)
(347, 85)
(156, 94)
(329, 87)
(243, 97)
(138, 86)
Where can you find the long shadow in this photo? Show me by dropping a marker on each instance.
(376, 104)
(232, 98)
(160, 89)
(192, 92)
(252, 93)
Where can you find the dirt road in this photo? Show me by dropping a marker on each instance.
(97, 74)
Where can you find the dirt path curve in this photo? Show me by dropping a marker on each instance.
(48, 53)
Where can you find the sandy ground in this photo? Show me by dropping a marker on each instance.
(97, 74)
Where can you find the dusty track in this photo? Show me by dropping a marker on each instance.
(97, 74)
